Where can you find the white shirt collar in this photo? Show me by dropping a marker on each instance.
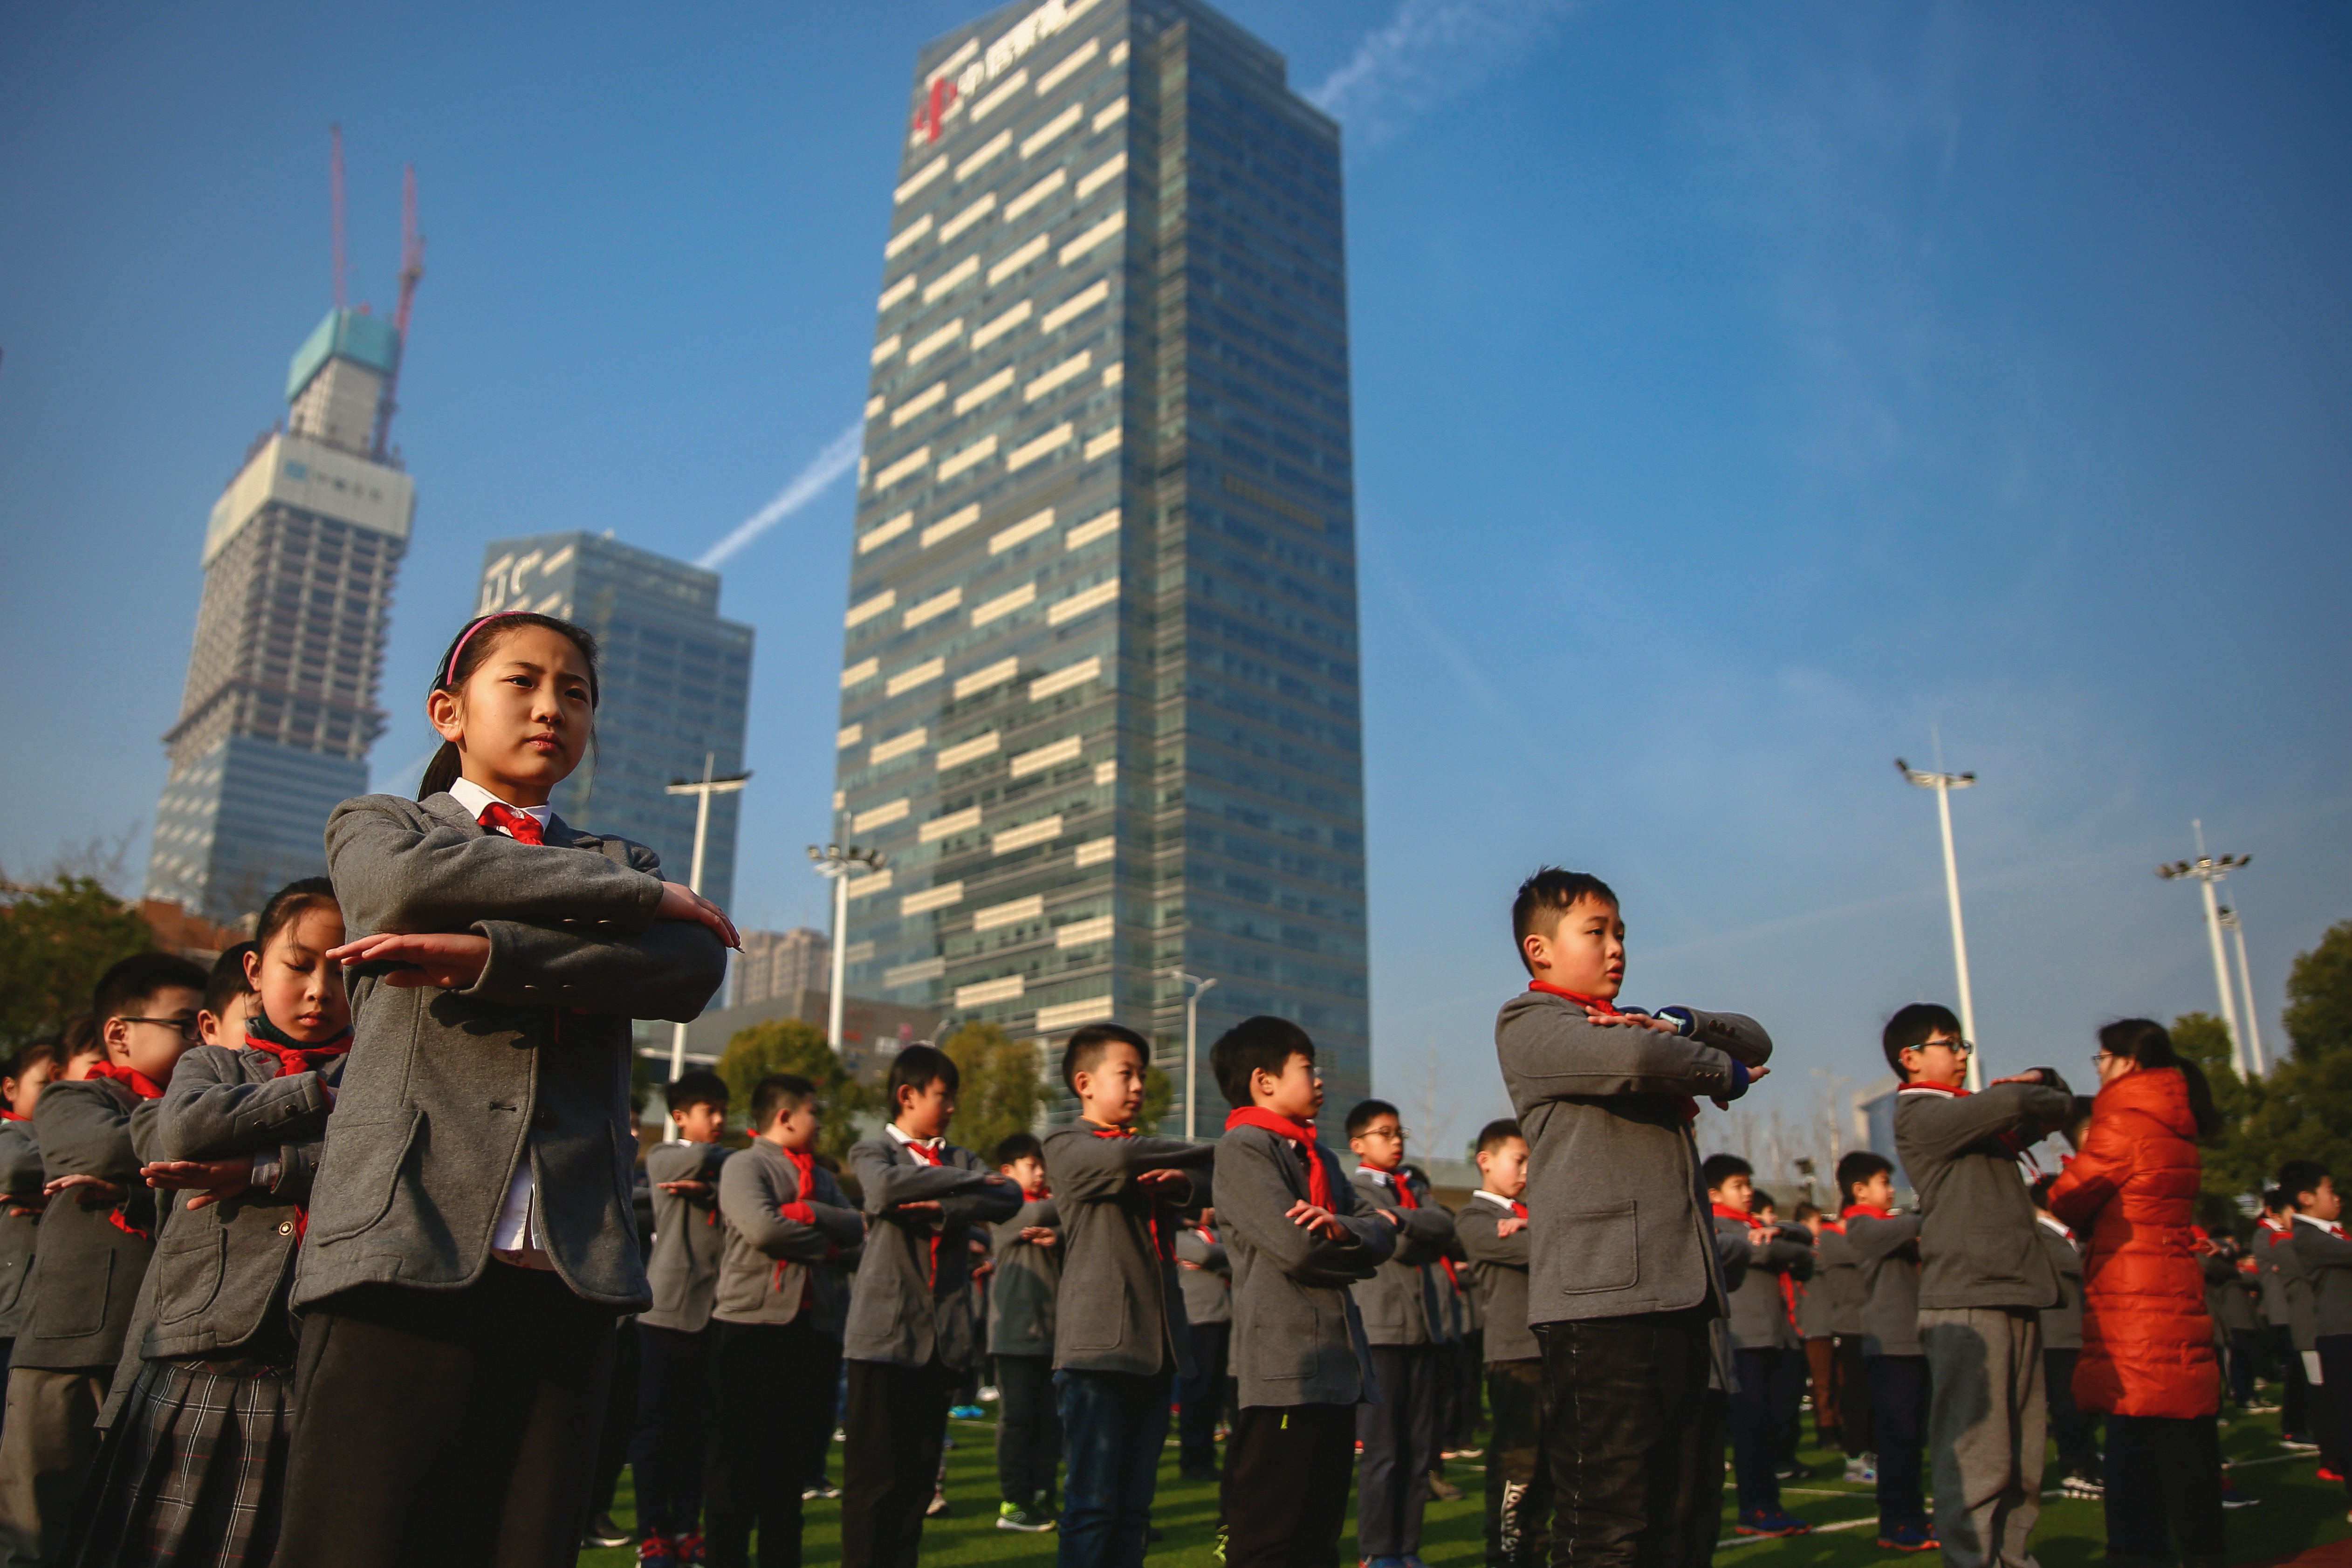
(477, 799)
(2328, 1225)
(903, 1136)
(1495, 1197)
(2055, 1225)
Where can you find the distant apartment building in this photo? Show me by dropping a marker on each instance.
(676, 681)
(279, 708)
(779, 964)
(1100, 699)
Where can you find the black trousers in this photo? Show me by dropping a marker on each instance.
(1625, 1436)
(1754, 1429)
(2295, 1400)
(1202, 1398)
(1468, 1407)
(1788, 1405)
(669, 1450)
(1028, 1430)
(1859, 1432)
(1399, 1439)
(897, 1423)
(2162, 1471)
(771, 1412)
(1898, 1409)
(2335, 1399)
(620, 1420)
(1285, 1494)
(2072, 1427)
(2245, 1364)
(1518, 1489)
(454, 1426)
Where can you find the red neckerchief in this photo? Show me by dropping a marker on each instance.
(1602, 1004)
(1405, 1199)
(1163, 1243)
(1302, 1133)
(1836, 1225)
(1789, 1296)
(12, 1117)
(1725, 1211)
(804, 1166)
(1518, 1208)
(921, 1149)
(1872, 1210)
(294, 1058)
(130, 1077)
(1037, 1195)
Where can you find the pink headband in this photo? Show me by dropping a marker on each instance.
(449, 678)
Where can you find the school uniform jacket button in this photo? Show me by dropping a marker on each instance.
(285, 1228)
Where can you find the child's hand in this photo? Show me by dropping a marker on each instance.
(1041, 1234)
(1723, 1102)
(679, 902)
(684, 1188)
(1320, 1220)
(449, 960)
(100, 1187)
(1509, 1224)
(920, 1206)
(1160, 1177)
(210, 1180)
(1632, 1020)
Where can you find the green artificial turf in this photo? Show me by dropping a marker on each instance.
(2296, 1510)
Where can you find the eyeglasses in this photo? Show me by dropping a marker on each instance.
(1956, 1046)
(186, 1027)
(2099, 1056)
(1398, 1134)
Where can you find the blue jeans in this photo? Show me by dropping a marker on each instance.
(1113, 1424)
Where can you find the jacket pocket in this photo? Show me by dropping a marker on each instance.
(358, 1172)
(189, 1264)
(1998, 1253)
(83, 1308)
(1601, 1248)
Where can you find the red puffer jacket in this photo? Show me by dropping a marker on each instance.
(2148, 1346)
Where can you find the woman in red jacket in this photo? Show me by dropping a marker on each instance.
(2148, 1346)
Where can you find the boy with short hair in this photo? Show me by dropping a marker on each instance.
(229, 998)
(1298, 1236)
(910, 1336)
(2324, 1257)
(1406, 1316)
(1021, 1298)
(21, 1179)
(2286, 1314)
(1815, 1303)
(1206, 1275)
(1625, 1280)
(95, 1236)
(2062, 1346)
(1885, 1247)
(1984, 1280)
(1759, 1335)
(677, 1334)
(1493, 1228)
(1837, 1293)
(1120, 1338)
(781, 1297)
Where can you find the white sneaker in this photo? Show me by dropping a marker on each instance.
(1862, 1470)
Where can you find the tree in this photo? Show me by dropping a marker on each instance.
(2319, 996)
(791, 1045)
(56, 938)
(1158, 1095)
(2232, 1166)
(1001, 1092)
(2303, 1109)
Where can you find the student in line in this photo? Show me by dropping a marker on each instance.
(1493, 1228)
(1625, 1283)
(1885, 1247)
(2072, 1427)
(228, 999)
(1207, 1276)
(471, 1237)
(21, 1178)
(1298, 1238)
(2286, 1311)
(1760, 1335)
(1120, 1340)
(668, 1456)
(1837, 1295)
(1815, 1305)
(97, 1235)
(909, 1337)
(1028, 1253)
(2324, 1257)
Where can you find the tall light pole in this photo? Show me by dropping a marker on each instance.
(1197, 988)
(1943, 784)
(841, 864)
(2205, 870)
(702, 788)
(2237, 929)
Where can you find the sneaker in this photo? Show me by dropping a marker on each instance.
(603, 1532)
(966, 1412)
(2232, 1498)
(990, 1394)
(2328, 1475)
(689, 1548)
(1380, 1562)
(937, 1506)
(1442, 1489)
(1907, 1539)
(1463, 1453)
(2082, 1487)
(1795, 1470)
(655, 1550)
(2258, 1409)
(2296, 1445)
(1197, 1475)
(1770, 1522)
(1013, 1516)
(1862, 1470)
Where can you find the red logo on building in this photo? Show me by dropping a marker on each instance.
(934, 109)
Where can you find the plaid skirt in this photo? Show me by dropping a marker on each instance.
(193, 1471)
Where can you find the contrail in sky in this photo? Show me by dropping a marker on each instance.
(838, 457)
(1430, 51)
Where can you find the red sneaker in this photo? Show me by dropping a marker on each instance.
(655, 1552)
(2328, 1475)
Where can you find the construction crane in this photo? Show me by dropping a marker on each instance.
(412, 268)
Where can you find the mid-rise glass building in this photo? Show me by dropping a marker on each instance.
(1099, 687)
(674, 679)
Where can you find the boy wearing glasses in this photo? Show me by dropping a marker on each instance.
(1984, 1280)
(95, 1236)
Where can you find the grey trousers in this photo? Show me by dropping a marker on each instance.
(48, 1444)
(1987, 1428)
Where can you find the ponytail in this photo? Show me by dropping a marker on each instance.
(440, 773)
(464, 655)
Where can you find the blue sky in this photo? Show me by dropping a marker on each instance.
(1741, 398)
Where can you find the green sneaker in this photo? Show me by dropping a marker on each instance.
(1013, 1516)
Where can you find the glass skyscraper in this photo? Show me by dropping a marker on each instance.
(1099, 690)
(675, 683)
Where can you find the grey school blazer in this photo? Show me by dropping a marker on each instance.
(1837, 1282)
(2326, 1260)
(1976, 1245)
(448, 1091)
(1759, 1318)
(689, 1239)
(2061, 1325)
(1028, 1278)
(899, 1311)
(1499, 1265)
(1619, 1210)
(1209, 1282)
(774, 1260)
(1887, 1252)
(20, 1178)
(1297, 1339)
(1121, 1309)
(93, 1250)
(1405, 1301)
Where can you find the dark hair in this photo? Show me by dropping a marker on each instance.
(918, 1067)
(1544, 898)
(778, 1092)
(1260, 1044)
(291, 902)
(1759, 1200)
(1494, 1134)
(696, 1088)
(1085, 1052)
(2299, 1176)
(81, 1036)
(2144, 1041)
(1909, 1027)
(1720, 1168)
(1857, 1167)
(1361, 1117)
(228, 981)
(129, 983)
(466, 654)
(31, 1054)
(1807, 1209)
(2040, 1192)
(2277, 1200)
(1017, 1146)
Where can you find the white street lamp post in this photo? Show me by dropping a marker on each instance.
(2237, 928)
(2205, 870)
(1943, 784)
(841, 864)
(1197, 988)
(702, 788)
